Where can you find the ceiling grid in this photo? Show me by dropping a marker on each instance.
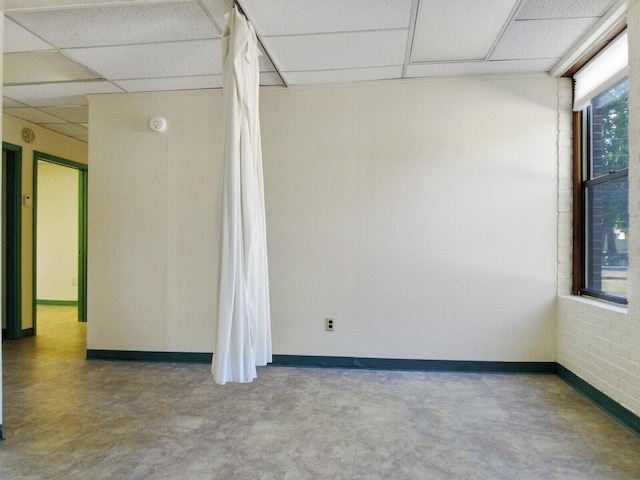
(54, 57)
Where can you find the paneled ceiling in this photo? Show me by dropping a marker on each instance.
(56, 52)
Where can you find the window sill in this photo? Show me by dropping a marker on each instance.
(596, 302)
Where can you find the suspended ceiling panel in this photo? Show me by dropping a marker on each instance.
(455, 69)
(69, 129)
(56, 52)
(540, 38)
(306, 17)
(439, 23)
(333, 51)
(154, 60)
(339, 76)
(170, 83)
(33, 115)
(56, 94)
(17, 39)
(120, 25)
(10, 103)
(72, 114)
(546, 9)
(43, 67)
(339, 41)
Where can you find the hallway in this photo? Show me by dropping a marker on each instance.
(68, 418)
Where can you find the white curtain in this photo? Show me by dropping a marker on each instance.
(244, 322)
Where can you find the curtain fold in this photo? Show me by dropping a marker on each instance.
(244, 322)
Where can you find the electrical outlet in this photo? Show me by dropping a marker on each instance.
(328, 324)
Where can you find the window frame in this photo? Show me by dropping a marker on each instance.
(582, 161)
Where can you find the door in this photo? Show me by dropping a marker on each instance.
(11, 241)
(60, 245)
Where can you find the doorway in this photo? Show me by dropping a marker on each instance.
(11, 241)
(60, 234)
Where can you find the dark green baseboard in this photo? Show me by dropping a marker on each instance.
(338, 362)
(413, 365)
(58, 303)
(140, 356)
(1, 437)
(601, 399)
(27, 332)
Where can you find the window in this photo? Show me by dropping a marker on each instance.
(606, 194)
(603, 185)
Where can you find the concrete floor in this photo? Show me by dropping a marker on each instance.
(68, 418)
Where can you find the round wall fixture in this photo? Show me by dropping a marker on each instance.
(158, 124)
(28, 135)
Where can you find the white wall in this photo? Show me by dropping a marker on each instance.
(152, 204)
(598, 342)
(418, 214)
(421, 215)
(57, 236)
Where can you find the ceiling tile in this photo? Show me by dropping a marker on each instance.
(40, 67)
(188, 83)
(152, 45)
(439, 22)
(547, 9)
(343, 76)
(479, 68)
(70, 129)
(32, 115)
(217, 9)
(525, 39)
(54, 94)
(71, 113)
(10, 103)
(179, 83)
(17, 39)
(295, 17)
(338, 50)
(177, 59)
(264, 62)
(119, 25)
(270, 79)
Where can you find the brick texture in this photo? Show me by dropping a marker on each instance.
(599, 342)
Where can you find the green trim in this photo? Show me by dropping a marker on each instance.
(1, 437)
(82, 230)
(141, 356)
(338, 362)
(83, 243)
(59, 161)
(58, 303)
(13, 241)
(312, 361)
(27, 332)
(414, 364)
(601, 399)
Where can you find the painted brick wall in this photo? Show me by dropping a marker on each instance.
(598, 342)
(565, 155)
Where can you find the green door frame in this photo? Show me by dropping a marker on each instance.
(82, 228)
(13, 241)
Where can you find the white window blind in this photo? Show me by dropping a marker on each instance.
(602, 71)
